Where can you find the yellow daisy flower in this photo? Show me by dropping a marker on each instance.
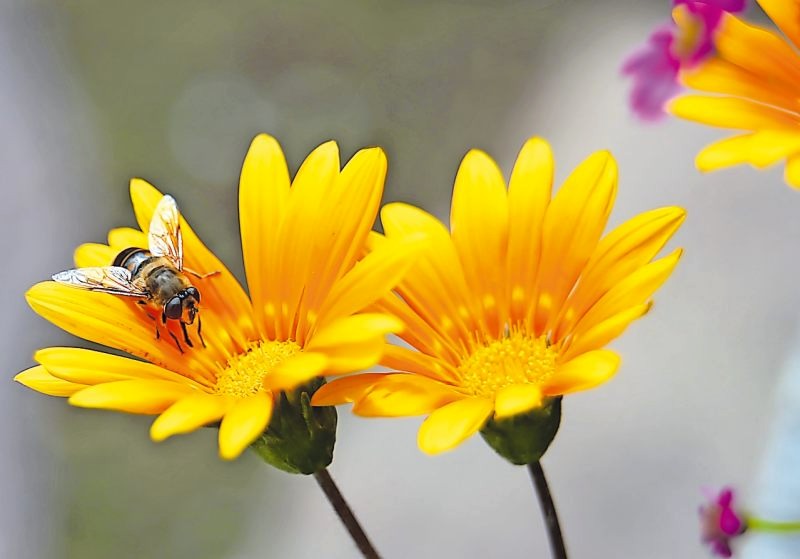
(309, 281)
(755, 76)
(511, 309)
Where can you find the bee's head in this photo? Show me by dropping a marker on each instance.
(184, 306)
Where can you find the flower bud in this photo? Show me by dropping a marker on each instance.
(524, 438)
(300, 438)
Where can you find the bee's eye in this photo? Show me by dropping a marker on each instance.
(193, 292)
(173, 309)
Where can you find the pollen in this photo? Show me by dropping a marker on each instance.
(514, 359)
(242, 376)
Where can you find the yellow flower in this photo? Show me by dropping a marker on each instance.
(309, 281)
(755, 79)
(513, 307)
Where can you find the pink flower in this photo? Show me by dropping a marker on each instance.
(682, 43)
(720, 523)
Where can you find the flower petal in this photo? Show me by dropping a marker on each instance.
(263, 197)
(573, 225)
(355, 342)
(450, 425)
(601, 334)
(132, 396)
(370, 279)
(404, 395)
(479, 223)
(299, 232)
(786, 15)
(89, 367)
(188, 414)
(243, 423)
(93, 254)
(792, 174)
(38, 379)
(729, 112)
(761, 149)
(296, 370)
(528, 197)
(583, 372)
(515, 399)
(352, 204)
(346, 389)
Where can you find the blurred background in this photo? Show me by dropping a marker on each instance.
(93, 93)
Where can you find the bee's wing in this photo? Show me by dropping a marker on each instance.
(109, 279)
(165, 232)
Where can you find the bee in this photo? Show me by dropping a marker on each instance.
(156, 277)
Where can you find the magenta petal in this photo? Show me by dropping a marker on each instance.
(721, 549)
(725, 497)
(729, 523)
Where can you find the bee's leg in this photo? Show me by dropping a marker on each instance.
(174, 337)
(200, 331)
(186, 335)
(198, 275)
(151, 317)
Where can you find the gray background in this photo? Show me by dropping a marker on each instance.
(92, 93)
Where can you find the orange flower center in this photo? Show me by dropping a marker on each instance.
(515, 359)
(244, 373)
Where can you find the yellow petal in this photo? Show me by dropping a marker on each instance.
(352, 206)
(404, 395)
(38, 379)
(243, 423)
(132, 396)
(89, 367)
(299, 231)
(371, 278)
(479, 223)
(792, 174)
(296, 370)
(760, 149)
(263, 197)
(786, 15)
(619, 254)
(583, 372)
(601, 334)
(450, 425)
(528, 197)
(726, 78)
(355, 342)
(114, 322)
(125, 237)
(414, 361)
(188, 414)
(93, 254)
(434, 286)
(573, 225)
(729, 112)
(516, 399)
(346, 389)
(634, 290)
(757, 50)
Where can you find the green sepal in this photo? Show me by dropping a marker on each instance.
(300, 437)
(524, 438)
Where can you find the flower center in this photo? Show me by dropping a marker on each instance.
(515, 359)
(244, 373)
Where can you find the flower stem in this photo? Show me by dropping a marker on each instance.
(761, 525)
(345, 514)
(548, 510)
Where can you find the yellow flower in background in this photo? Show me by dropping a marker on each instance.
(301, 243)
(755, 79)
(513, 308)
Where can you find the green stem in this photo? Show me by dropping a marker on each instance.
(761, 525)
(345, 514)
(557, 547)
